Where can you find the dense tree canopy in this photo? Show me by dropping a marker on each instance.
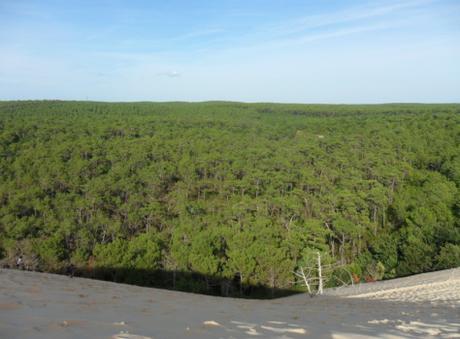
(241, 194)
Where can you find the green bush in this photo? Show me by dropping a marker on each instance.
(448, 257)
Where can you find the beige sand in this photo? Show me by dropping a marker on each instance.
(37, 305)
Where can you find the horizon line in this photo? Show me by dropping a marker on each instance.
(233, 101)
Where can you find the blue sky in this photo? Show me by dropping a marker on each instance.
(258, 50)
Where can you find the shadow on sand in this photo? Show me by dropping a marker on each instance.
(193, 282)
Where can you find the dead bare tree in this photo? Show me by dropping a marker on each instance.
(317, 275)
(320, 274)
(306, 277)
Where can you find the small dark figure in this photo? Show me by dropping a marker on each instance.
(20, 263)
(70, 271)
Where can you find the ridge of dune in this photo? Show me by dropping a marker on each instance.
(399, 292)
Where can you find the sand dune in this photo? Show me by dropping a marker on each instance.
(38, 305)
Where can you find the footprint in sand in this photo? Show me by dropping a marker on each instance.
(123, 335)
(276, 322)
(211, 323)
(250, 329)
(284, 330)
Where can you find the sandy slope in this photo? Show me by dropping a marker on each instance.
(37, 305)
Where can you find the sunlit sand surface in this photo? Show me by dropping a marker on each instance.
(38, 305)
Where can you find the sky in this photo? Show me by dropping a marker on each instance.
(240, 50)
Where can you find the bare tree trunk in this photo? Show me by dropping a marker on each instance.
(393, 185)
(320, 276)
(306, 277)
(331, 239)
(359, 245)
(342, 250)
(354, 250)
(305, 280)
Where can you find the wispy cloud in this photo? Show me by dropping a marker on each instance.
(347, 16)
(340, 23)
(256, 50)
(340, 32)
(298, 30)
(169, 74)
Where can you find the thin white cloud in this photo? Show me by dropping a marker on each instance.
(344, 17)
(341, 32)
(359, 19)
(169, 74)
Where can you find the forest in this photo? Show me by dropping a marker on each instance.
(229, 198)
